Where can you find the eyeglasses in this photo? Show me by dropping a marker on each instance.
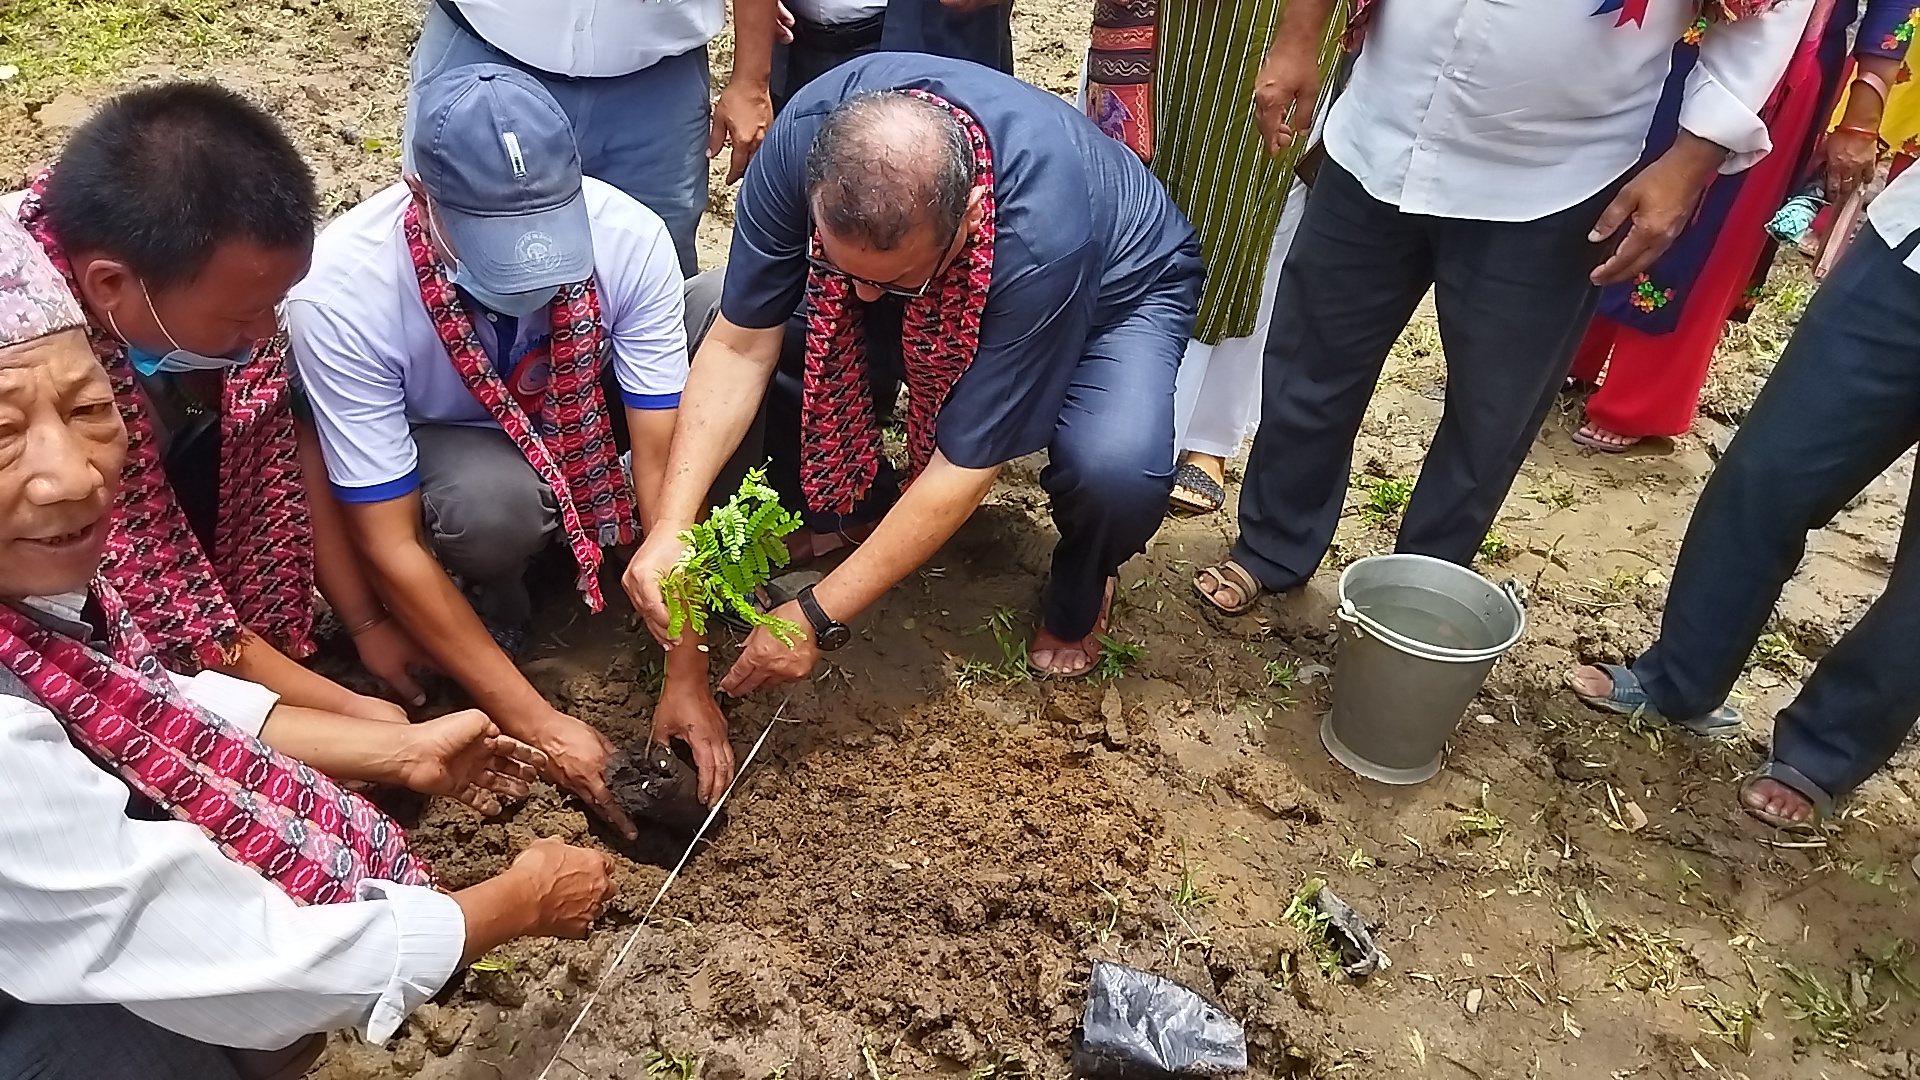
(821, 264)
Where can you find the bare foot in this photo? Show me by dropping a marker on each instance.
(1599, 438)
(1056, 657)
(1773, 799)
(1590, 681)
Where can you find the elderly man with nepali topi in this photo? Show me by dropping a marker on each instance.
(935, 223)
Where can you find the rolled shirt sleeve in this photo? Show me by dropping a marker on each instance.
(96, 907)
(1741, 63)
(243, 704)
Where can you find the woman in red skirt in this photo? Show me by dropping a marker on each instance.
(1655, 337)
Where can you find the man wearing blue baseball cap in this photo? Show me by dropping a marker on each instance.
(481, 342)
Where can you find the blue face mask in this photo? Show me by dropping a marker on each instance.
(518, 305)
(177, 359)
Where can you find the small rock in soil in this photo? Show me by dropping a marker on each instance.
(441, 1027)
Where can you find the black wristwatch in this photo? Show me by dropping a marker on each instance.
(828, 635)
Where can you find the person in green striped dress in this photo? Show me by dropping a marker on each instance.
(1243, 201)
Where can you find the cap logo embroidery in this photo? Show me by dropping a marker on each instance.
(536, 251)
(514, 157)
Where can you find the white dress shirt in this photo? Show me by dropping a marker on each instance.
(1511, 110)
(96, 907)
(595, 38)
(1895, 214)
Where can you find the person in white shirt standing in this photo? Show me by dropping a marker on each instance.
(1485, 150)
(479, 341)
(176, 878)
(632, 77)
(828, 33)
(1840, 408)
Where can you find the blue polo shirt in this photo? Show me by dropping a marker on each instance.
(1083, 233)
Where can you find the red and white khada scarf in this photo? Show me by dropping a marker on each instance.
(573, 449)
(268, 812)
(940, 333)
(260, 575)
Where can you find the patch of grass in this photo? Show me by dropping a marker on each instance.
(1100, 926)
(496, 962)
(1478, 822)
(1310, 921)
(1837, 1016)
(1280, 674)
(1004, 626)
(1116, 657)
(51, 41)
(1187, 894)
(1359, 860)
(1776, 653)
(1494, 548)
(1000, 1066)
(1733, 1024)
(1649, 960)
(1556, 494)
(1386, 498)
(662, 1065)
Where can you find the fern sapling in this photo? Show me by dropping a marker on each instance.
(729, 555)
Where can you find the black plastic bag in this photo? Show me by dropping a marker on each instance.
(1139, 1025)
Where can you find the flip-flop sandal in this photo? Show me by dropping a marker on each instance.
(1235, 576)
(1629, 698)
(774, 594)
(1211, 495)
(1603, 445)
(1782, 773)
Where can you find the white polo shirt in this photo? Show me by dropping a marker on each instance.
(594, 38)
(374, 366)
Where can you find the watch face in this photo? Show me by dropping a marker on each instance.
(833, 637)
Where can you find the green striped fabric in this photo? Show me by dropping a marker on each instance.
(1208, 154)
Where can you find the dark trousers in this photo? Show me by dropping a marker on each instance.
(1513, 298)
(1109, 468)
(983, 37)
(1842, 405)
(99, 1042)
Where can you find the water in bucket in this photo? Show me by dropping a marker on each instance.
(1418, 637)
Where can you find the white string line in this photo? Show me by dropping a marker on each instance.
(621, 956)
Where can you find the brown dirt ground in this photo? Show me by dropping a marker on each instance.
(922, 864)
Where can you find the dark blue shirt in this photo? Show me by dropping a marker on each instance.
(1082, 233)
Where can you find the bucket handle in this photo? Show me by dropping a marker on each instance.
(1515, 592)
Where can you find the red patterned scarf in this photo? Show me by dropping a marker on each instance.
(260, 575)
(1120, 71)
(574, 451)
(940, 333)
(268, 812)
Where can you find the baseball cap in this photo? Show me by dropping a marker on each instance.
(498, 159)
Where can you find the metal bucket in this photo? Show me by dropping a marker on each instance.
(1418, 636)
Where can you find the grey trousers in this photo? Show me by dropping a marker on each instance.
(487, 511)
(1513, 298)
